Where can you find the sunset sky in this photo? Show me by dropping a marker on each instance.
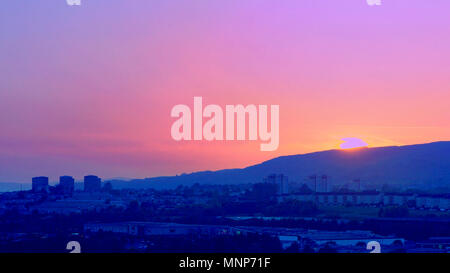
(89, 89)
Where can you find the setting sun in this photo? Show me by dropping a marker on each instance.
(352, 142)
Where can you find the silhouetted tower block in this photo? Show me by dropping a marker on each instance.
(271, 178)
(92, 183)
(40, 184)
(313, 178)
(67, 184)
(280, 180)
(323, 185)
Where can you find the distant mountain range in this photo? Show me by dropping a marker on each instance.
(423, 165)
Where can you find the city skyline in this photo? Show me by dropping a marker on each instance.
(346, 165)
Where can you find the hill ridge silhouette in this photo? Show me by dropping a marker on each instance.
(418, 164)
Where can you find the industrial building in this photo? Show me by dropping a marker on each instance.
(372, 198)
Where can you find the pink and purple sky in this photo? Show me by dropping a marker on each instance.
(89, 89)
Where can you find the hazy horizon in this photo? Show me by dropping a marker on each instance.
(55, 180)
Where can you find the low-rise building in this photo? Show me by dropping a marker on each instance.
(397, 199)
(429, 201)
(336, 198)
(68, 206)
(160, 229)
